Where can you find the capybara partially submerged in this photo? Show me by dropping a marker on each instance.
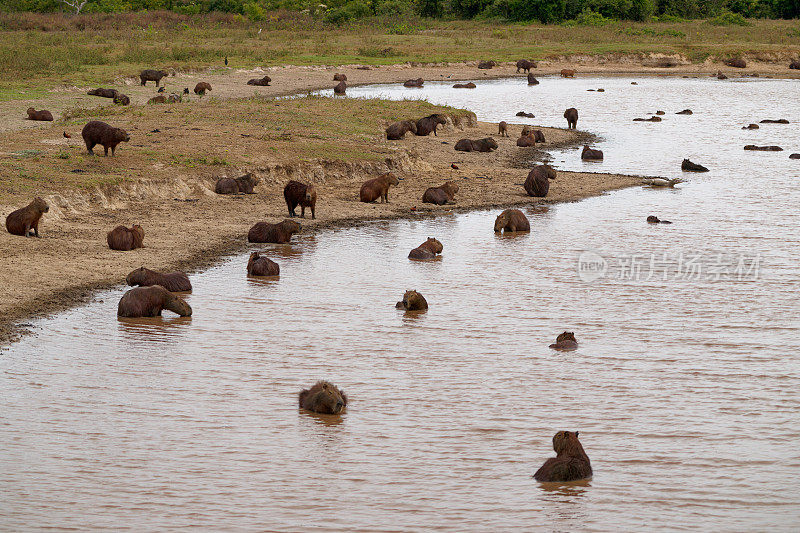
(571, 115)
(736, 62)
(502, 129)
(428, 124)
(469, 85)
(202, 87)
(751, 127)
(414, 83)
(260, 82)
(487, 64)
(412, 301)
(526, 115)
(537, 183)
(651, 119)
(44, 115)
(152, 75)
(340, 88)
(444, 194)
(426, 250)
(258, 265)
(476, 145)
(685, 112)
(172, 281)
(570, 463)
(104, 93)
(97, 132)
(774, 121)
(794, 156)
(324, 397)
(567, 73)
(279, 233)
(526, 65)
(565, 342)
(22, 221)
(688, 166)
(532, 80)
(243, 184)
(652, 219)
(339, 77)
(378, 187)
(296, 193)
(398, 130)
(149, 301)
(512, 220)
(125, 239)
(589, 154)
(763, 148)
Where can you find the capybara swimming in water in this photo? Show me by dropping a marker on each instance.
(149, 301)
(258, 265)
(524, 114)
(324, 397)
(794, 156)
(772, 148)
(243, 184)
(688, 166)
(103, 93)
(260, 82)
(651, 119)
(567, 73)
(751, 127)
(414, 83)
(652, 219)
(476, 145)
(571, 115)
(469, 85)
(44, 115)
(565, 342)
(172, 281)
(685, 112)
(426, 250)
(532, 80)
(125, 239)
(25, 219)
(398, 130)
(502, 128)
(591, 154)
(296, 193)
(412, 301)
(570, 463)
(428, 124)
(340, 88)
(526, 65)
(278, 233)
(97, 132)
(378, 187)
(202, 87)
(444, 194)
(339, 77)
(538, 181)
(512, 220)
(736, 62)
(152, 75)
(773, 121)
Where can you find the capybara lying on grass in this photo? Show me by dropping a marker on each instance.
(202, 87)
(172, 281)
(469, 85)
(158, 99)
(296, 193)
(419, 82)
(570, 463)
(426, 250)
(340, 88)
(278, 233)
(538, 181)
(25, 219)
(398, 130)
(103, 93)
(324, 397)
(258, 265)
(97, 132)
(243, 184)
(526, 65)
(565, 342)
(571, 115)
(444, 194)
(532, 80)
(567, 73)
(502, 128)
(126, 239)
(378, 187)
(149, 301)
(736, 62)
(339, 77)
(688, 166)
(512, 220)
(44, 115)
(428, 124)
(152, 75)
(589, 154)
(412, 301)
(260, 82)
(122, 99)
(477, 145)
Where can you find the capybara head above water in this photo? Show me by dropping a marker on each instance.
(412, 301)
(202, 87)
(96, 132)
(296, 193)
(172, 281)
(512, 220)
(259, 265)
(378, 187)
(152, 75)
(565, 342)
(426, 250)
(260, 82)
(149, 301)
(324, 397)
(469, 85)
(570, 463)
(398, 130)
(126, 239)
(428, 124)
(279, 233)
(571, 115)
(23, 220)
(43, 115)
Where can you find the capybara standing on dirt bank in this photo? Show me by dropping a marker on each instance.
(340, 88)
(324, 397)
(258, 265)
(260, 82)
(296, 193)
(378, 187)
(152, 75)
(571, 115)
(339, 77)
(502, 128)
(479, 145)
(444, 194)
(426, 250)
(589, 154)
(97, 132)
(567, 73)
(22, 221)
(44, 115)
(149, 301)
(524, 64)
(565, 342)
(243, 184)
(412, 301)
(538, 181)
(126, 239)
(511, 220)
(428, 124)
(570, 463)
(419, 82)
(172, 281)
(278, 233)
(202, 87)
(398, 130)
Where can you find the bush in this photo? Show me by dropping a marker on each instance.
(346, 13)
(587, 17)
(729, 19)
(254, 12)
(544, 11)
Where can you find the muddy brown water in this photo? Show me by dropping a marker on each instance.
(685, 388)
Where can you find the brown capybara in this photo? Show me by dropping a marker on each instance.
(152, 75)
(44, 115)
(795, 64)
(773, 121)
(525, 141)
(149, 301)
(172, 281)
(122, 99)
(22, 221)
(324, 397)
(751, 127)
(378, 187)
(296, 193)
(567, 73)
(502, 129)
(96, 132)
(279, 233)
(202, 87)
(258, 265)
(524, 114)
(398, 130)
(339, 77)
(243, 184)
(771, 148)
(158, 99)
(538, 181)
(260, 82)
(590, 154)
(426, 250)
(685, 112)
(721, 76)
(688, 166)
(469, 85)
(736, 62)
(538, 135)
(532, 80)
(652, 219)
(512, 220)
(444, 194)
(428, 124)
(570, 463)
(794, 156)
(104, 93)
(419, 82)
(174, 98)
(571, 115)
(651, 119)
(126, 239)
(412, 301)
(565, 342)
(526, 65)
(340, 88)
(476, 145)
(487, 64)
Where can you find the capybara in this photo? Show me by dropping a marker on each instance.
(172, 281)
(794, 156)
(736, 62)
(260, 82)
(511, 220)
(149, 301)
(158, 99)
(487, 64)
(152, 75)
(652, 219)
(524, 114)
(243, 184)
(773, 121)
(532, 80)
(340, 88)
(502, 129)
(258, 265)
(538, 181)
(414, 83)
(751, 127)
(324, 397)
(174, 98)
(526, 140)
(412, 301)
(122, 99)
(476, 145)
(104, 93)
(721, 76)
(279, 233)
(469, 85)
(202, 87)
(571, 115)
(651, 119)
(685, 112)
(426, 250)
(398, 130)
(296, 193)
(570, 463)
(22, 221)
(339, 77)
(44, 115)
(444, 194)
(96, 132)
(565, 342)
(126, 239)
(378, 187)
(591, 154)
(688, 166)
(567, 73)
(763, 148)
(795, 64)
(524, 64)
(428, 124)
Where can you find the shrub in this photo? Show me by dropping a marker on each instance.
(726, 18)
(346, 13)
